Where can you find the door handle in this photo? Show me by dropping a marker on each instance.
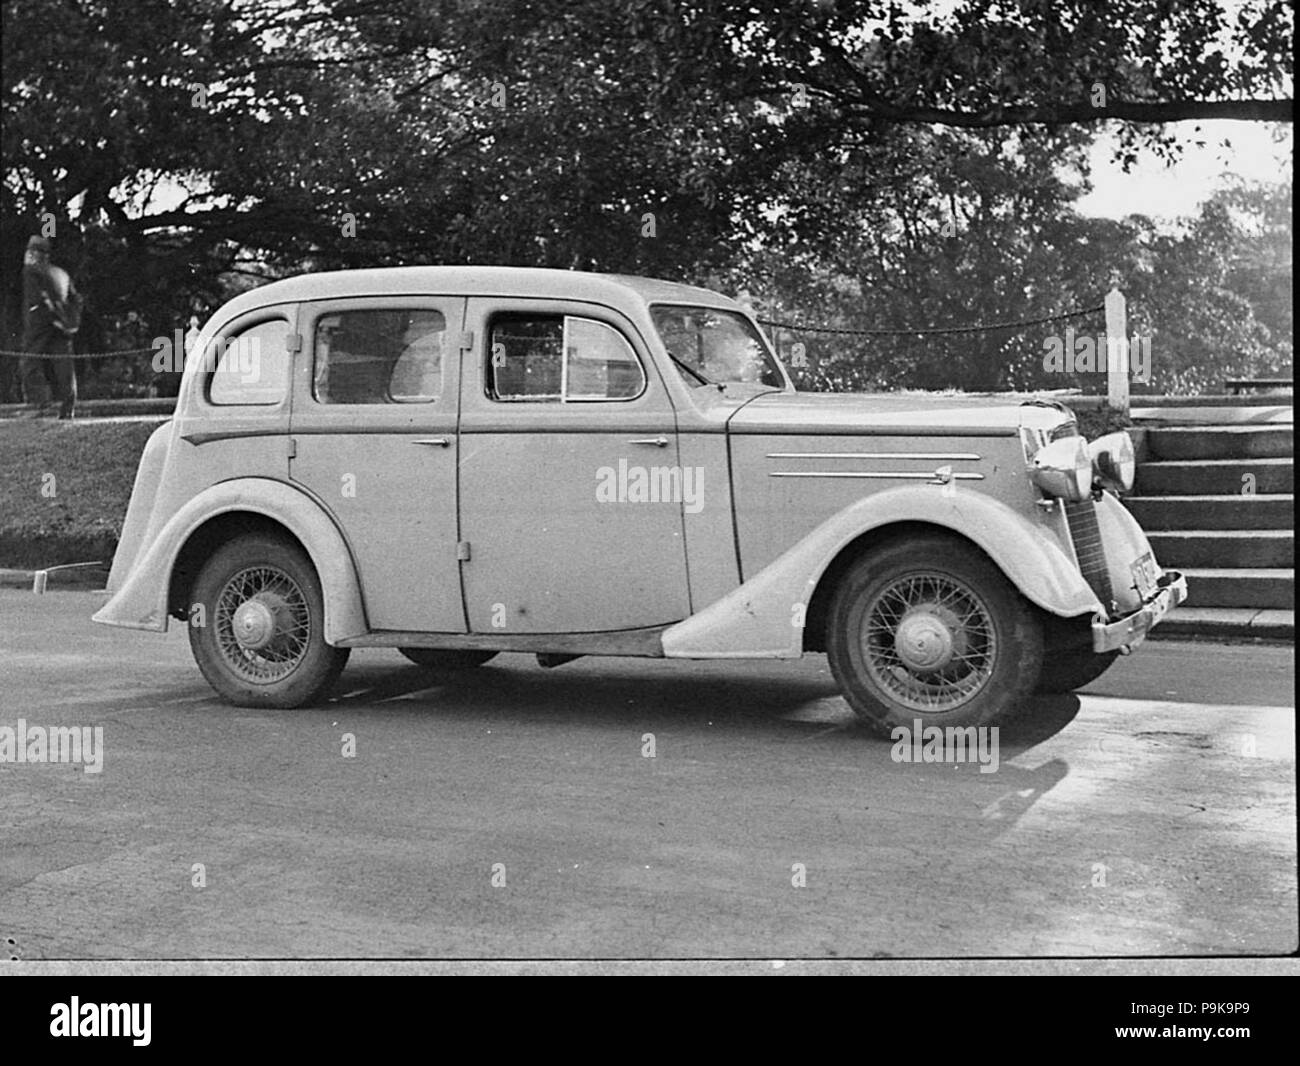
(658, 442)
(438, 442)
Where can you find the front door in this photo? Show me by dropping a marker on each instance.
(373, 426)
(570, 492)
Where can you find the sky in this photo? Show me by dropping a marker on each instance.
(1162, 192)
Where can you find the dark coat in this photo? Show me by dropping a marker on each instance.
(51, 309)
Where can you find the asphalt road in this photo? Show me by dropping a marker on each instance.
(1154, 814)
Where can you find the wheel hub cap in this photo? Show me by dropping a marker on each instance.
(924, 641)
(254, 624)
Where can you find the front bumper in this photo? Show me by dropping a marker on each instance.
(1129, 632)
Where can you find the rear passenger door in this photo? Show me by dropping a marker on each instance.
(373, 427)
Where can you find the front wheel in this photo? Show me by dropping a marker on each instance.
(1069, 672)
(1069, 662)
(928, 628)
(259, 637)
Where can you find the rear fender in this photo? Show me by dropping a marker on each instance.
(141, 601)
(144, 497)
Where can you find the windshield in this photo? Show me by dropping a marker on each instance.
(715, 347)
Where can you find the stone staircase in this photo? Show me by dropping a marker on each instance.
(1217, 502)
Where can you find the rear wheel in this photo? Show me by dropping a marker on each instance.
(444, 659)
(259, 637)
(928, 628)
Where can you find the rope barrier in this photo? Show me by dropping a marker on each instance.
(800, 328)
(796, 327)
(77, 355)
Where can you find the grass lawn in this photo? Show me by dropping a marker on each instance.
(64, 488)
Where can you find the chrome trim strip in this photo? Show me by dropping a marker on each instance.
(775, 428)
(927, 475)
(873, 455)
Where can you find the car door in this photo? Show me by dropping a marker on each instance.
(373, 427)
(570, 493)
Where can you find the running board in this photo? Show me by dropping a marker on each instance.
(642, 643)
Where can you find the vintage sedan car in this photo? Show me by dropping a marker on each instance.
(461, 461)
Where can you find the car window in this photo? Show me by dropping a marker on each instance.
(379, 356)
(252, 366)
(560, 359)
(721, 346)
(600, 364)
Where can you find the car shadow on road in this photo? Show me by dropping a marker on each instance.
(673, 693)
(782, 706)
(781, 702)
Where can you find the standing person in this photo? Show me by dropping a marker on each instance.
(51, 316)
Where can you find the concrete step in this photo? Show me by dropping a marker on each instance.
(1214, 401)
(1221, 442)
(1226, 587)
(1212, 512)
(1215, 476)
(63, 577)
(1212, 416)
(1272, 409)
(1227, 623)
(1224, 548)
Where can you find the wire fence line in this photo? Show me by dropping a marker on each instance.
(78, 355)
(796, 327)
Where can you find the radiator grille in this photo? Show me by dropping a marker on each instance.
(1086, 534)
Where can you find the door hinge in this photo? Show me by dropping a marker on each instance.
(293, 343)
(467, 339)
(462, 550)
(293, 448)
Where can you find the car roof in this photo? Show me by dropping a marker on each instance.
(536, 282)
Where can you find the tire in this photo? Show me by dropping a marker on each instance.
(262, 641)
(1069, 662)
(444, 659)
(928, 628)
(1067, 673)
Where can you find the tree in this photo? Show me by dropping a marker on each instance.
(669, 137)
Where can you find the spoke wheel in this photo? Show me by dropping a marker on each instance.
(929, 639)
(928, 628)
(263, 624)
(259, 637)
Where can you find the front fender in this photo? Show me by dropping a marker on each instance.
(1125, 544)
(764, 616)
(141, 601)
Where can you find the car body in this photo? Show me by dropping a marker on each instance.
(459, 461)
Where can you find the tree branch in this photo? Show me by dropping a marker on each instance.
(1066, 114)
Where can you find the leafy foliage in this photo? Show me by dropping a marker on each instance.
(849, 159)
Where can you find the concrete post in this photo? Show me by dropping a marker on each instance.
(1117, 353)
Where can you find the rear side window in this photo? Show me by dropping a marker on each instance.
(252, 366)
(379, 356)
(560, 359)
(526, 358)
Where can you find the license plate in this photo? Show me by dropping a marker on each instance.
(1144, 576)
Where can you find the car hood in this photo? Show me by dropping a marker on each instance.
(813, 412)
